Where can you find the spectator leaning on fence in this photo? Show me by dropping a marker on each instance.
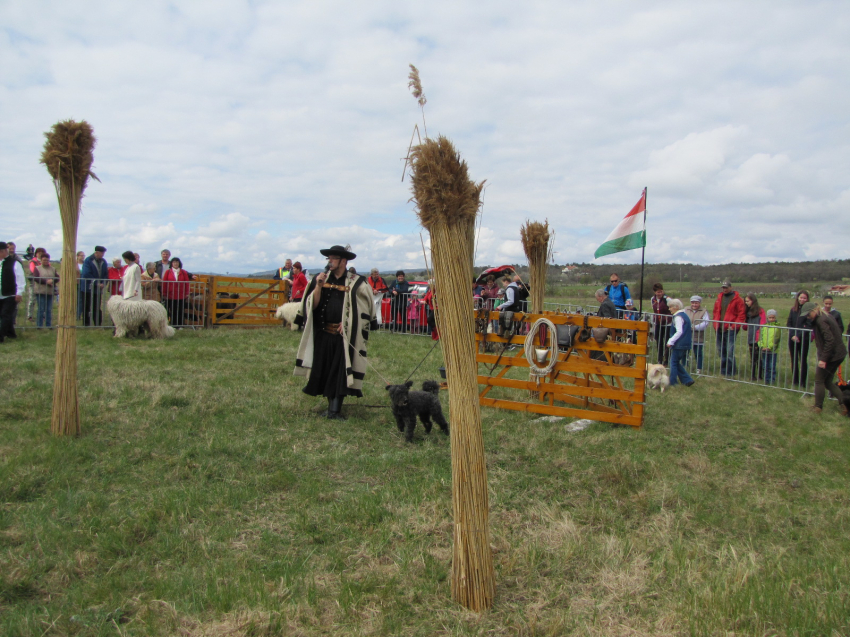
(94, 276)
(679, 344)
(799, 338)
(175, 290)
(399, 290)
(770, 337)
(12, 283)
(755, 319)
(45, 285)
(831, 353)
(663, 317)
(150, 283)
(607, 309)
(729, 313)
(699, 322)
(116, 275)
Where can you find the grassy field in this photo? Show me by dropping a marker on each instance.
(205, 497)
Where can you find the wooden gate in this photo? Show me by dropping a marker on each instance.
(604, 381)
(240, 301)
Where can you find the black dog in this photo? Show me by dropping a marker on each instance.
(408, 404)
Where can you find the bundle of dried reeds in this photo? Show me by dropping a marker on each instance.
(68, 157)
(447, 204)
(537, 241)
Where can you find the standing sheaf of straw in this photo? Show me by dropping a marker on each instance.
(447, 203)
(68, 158)
(537, 242)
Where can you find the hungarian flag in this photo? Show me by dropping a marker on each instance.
(629, 234)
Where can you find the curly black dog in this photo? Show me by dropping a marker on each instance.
(408, 404)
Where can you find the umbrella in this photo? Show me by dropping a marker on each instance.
(498, 271)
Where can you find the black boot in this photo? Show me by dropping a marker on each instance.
(334, 407)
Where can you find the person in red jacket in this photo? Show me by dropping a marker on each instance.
(175, 291)
(729, 315)
(299, 282)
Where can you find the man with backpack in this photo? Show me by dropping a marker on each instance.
(619, 294)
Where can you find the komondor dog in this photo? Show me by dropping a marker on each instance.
(657, 377)
(129, 316)
(287, 313)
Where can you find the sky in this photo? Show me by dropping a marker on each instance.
(238, 134)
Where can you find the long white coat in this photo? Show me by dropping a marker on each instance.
(358, 317)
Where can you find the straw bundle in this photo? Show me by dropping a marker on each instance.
(447, 204)
(537, 243)
(68, 158)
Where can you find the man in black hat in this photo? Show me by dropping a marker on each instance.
(12, 282)
(337, 313)
(93, 277)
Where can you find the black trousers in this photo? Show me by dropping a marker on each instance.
(8, 309)
(92, 314)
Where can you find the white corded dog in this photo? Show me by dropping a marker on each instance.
(287, 313)
(657, 377)
(129, 316)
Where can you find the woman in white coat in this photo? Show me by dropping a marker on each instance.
(132, 278)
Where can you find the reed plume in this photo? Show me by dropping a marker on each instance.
(68, 157)
(415, 86)
(537, 242)
(447, 203)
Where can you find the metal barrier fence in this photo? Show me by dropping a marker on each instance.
(184, 302)
(733, 353)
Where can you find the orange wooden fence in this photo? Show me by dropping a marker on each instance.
(579, 386)
(240, 301)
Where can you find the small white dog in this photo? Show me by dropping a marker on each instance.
(657, 377)
(287, 313)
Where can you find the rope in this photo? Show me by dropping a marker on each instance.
(422, 361)
(530, 355)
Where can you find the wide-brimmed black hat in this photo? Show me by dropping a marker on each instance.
(338, 251)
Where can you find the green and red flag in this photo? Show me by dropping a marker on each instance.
(629, 234)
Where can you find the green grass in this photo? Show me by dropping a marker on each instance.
(205, 497)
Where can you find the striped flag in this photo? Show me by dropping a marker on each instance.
(629, 234)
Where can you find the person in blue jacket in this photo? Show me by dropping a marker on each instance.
(93, 279)
(618, 292)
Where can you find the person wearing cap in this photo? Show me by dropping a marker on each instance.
(770, 336)
(729, 315)
(337, 314)
(93, 278)
(699, 322)
(12, 283)
(679, 344)
(831, 353)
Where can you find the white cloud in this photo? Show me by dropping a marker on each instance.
(239, 132)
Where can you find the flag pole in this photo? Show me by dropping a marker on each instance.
(642, 255)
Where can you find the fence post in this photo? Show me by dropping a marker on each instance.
(209, 302)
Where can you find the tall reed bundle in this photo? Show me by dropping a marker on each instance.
(68, 158)
(537, 243)
(447, 204)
